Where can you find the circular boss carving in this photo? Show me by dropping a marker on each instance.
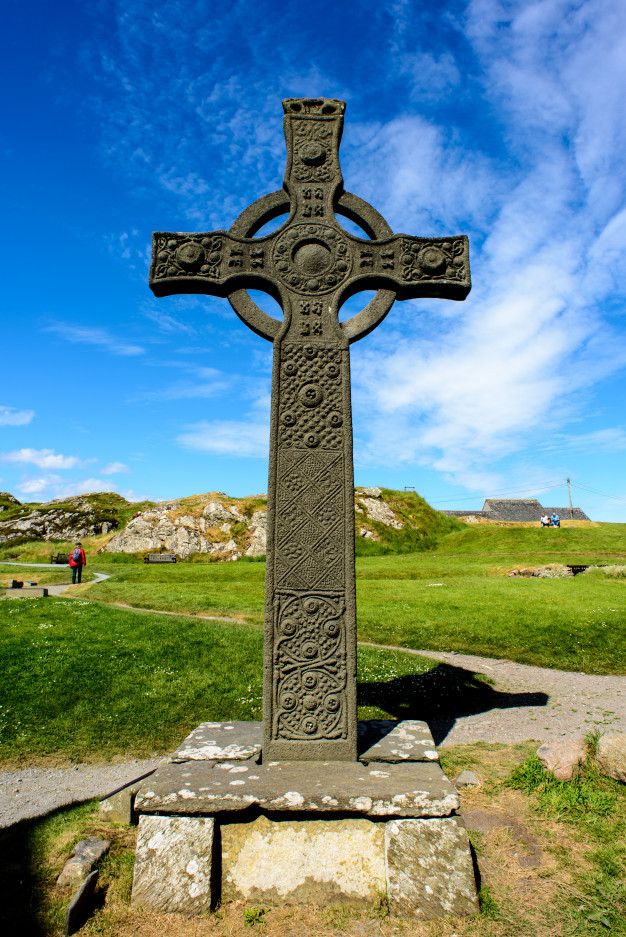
(310, 395)
(311, 258)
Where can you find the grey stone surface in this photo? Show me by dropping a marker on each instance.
(311, 264)
(222, 741)
(339, 861)
(415, 789)
(466, 779)
(429, 869)
(611, 756)
(80, 906)
(518, 509)
(173, 864)
(390, 741)
(82, 860)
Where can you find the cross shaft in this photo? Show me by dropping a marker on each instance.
(311, 265)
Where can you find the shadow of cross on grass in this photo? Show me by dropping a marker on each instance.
(440, 696)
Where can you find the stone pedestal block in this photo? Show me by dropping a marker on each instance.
(173, 864)
(429, 868)
(304, 861)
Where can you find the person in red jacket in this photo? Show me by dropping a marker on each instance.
(77, 561)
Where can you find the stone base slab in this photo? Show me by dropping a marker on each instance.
(315, 862)
(404, 790)
(303, 832)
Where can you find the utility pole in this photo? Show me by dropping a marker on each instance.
(571, 510)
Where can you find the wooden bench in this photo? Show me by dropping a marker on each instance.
(160, 558)
(60, 559)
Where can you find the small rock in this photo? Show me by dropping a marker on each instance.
(560, 758)
(372, 492)
(466, 779)
(84, 856)
(611, 757)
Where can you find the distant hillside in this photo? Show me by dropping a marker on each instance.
(64, 519)
(214, 524)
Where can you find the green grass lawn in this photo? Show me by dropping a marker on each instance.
(457, 598)
(87, 680)
(54, 575)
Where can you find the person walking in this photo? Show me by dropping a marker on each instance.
(77, 561)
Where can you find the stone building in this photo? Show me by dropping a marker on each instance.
(519, 509)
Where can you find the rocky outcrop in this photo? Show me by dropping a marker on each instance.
(222, 527)
(67, 519)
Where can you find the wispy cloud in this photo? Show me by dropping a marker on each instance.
(9, 416)
(248, 439)
(115, 468)
(43, 458)
(51, 486)
(204, 382)
(94, 336)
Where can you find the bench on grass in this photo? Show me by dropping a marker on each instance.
(160, 558)
(61, 559)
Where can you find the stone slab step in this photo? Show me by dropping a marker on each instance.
(385, 740)
(416, 789)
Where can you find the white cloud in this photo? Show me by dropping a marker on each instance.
(208, 382)
(115, 468)
(9, 416)
(93, 336)
(50, 486)
(248, 439)
(42, 458)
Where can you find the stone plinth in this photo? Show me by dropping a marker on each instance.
(303, 832)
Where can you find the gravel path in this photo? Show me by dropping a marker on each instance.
(528, 703)
(532, 702)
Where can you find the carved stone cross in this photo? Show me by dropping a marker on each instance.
(311, 265)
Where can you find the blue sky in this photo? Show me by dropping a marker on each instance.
(500, 120)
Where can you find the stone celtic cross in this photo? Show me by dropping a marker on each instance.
(311, 265)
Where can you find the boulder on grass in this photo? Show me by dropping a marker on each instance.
(611, 756)
(561, 757)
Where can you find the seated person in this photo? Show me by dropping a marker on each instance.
(545, 520)
(555, 520)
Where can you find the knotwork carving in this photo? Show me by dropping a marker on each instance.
(433, 261)
(310, 518)
(313, 152)
(312, 258)
(178, 257)
(310, 666)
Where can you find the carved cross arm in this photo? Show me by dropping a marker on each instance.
(215, 263)
(414, 267)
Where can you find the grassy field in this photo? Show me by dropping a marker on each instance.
(552, 863)
(52, 576)
(85, 681)
(456, 598)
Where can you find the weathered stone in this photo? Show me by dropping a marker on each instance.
(386, 740)
(415, 789)
(221, 741)
(562, 756)
(80, 906)
(371, 492)
(258, 533)
(381, 512)
(466, 779)
(611, 756)
(84, 856)
(429, 868)
(303, 861)
(312, 264)
(173, 864)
